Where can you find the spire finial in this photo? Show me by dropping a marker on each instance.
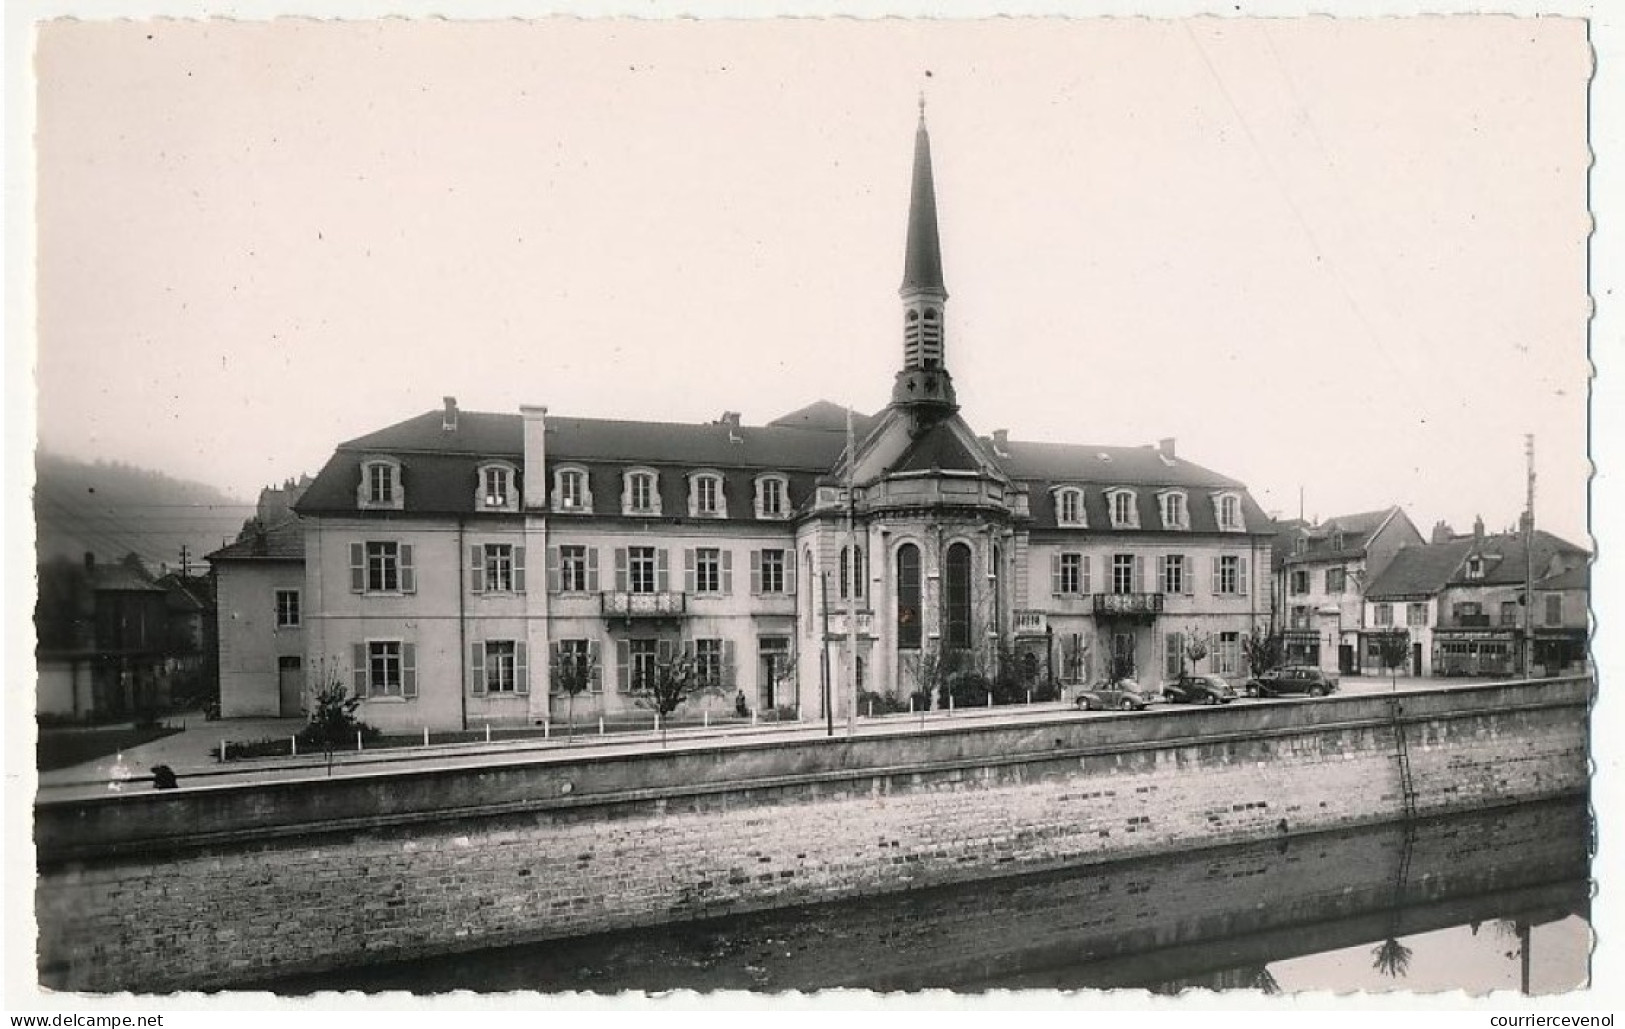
(922, 107)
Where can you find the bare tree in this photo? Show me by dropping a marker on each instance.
(1393, 649)
(1195, 649)
(672, 682)
(572, 674)
(1263, 649)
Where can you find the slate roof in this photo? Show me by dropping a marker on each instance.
(1573, 579)
(284, 541)
(1420, 570)
(117, 578)
(439, 466)
(1357, 530)
(1504, 561)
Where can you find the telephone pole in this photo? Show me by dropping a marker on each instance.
(186, 562)
(1529, 562)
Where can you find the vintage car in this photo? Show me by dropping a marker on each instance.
(1291, 679)
(1199, 689)
(1122, 695)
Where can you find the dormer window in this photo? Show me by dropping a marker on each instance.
(705, 496)
(1125, 508)
(1337, 541)
(1175, 515)
(640, 492)
(772, 496)
(496, 490)
(1069, 508)
(570, 492)
(1227, 509)
(1475, 567)
(380, 488)
(1300, 545)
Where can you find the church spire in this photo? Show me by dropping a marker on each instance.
(923, 381)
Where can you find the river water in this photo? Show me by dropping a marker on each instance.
(1490, 901)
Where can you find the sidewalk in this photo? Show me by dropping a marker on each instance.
(187, 750)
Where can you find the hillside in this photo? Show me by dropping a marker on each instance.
(113, 509)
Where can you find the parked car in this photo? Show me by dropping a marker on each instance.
(1199, 689)
(1122, 695)
(1292, 679)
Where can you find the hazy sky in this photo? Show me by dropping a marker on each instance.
(1346, 257)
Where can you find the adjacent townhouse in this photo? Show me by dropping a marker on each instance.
(458, 562)
(1325, 575)
(108, 643)
(259, 589)
(1461, 602)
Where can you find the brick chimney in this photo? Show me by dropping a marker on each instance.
(1442, 533)
(1165, 447)
(1001, 442)
(448, 421)
(535, 486)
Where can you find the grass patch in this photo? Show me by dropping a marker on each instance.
(63, 748)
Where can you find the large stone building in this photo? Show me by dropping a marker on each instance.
(455, 558)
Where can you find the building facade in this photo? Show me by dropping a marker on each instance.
(457, 564)
(1325, 576)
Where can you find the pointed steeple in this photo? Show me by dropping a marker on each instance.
(923, 384)
(922, 263)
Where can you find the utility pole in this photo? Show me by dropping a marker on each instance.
(1529, 563)
(186, 562)
(823, 653)
(854, 571)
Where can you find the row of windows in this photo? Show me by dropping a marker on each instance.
(1123, 507)
(1337, 581)
(1071, 574)
(706, 570)
(388, 668)
(382, 488)
(1511, 612)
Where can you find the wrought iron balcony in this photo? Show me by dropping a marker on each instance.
(1031, 623)
(1141, 605)
(1473, 621)
(644, 605)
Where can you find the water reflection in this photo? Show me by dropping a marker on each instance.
(1495, 900)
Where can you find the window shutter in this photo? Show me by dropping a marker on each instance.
(358, 669)
(519, 569)
(1139, 573)
(688, 649)
(1187, 575)
(476, 669)
(727, 571)
(521, 669)
(620, 570)
(688, 569)
(1055, 574)
(1216, 564)
(476, 569)
(1087, 586)
(555, 570)
(555, 661)
(1162, 574)
(756, 572)
(1241, 576)
(728, 664)
(623, 666)
(409, 578)
(662, 578)
(790, 572)
(592, 569)
(663, 652)
(595, 661)
(358, 568)
(409, 669)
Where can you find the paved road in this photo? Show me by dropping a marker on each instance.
(188, 752)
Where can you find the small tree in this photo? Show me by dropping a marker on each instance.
(673, 681)
(572, 674)
(1393, 648)
(332, 715)
(1195, 649)
(1263, 649)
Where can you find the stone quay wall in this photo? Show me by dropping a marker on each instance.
(222, 886)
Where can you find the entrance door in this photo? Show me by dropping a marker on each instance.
(290, 686)
(1123, 655)
(1345, 659)
(775, 684)
(1416, 659)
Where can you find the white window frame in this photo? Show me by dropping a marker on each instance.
(573, 568)
(390, 470)
(503, 498)
(580, 649)
(1071, 569)
(581, 503)
(388, 561)
(1124, 507)
(1382, 614)
(281, 610)
(373, 656)
(1078, 518)
(635, 556)
(697, 483)
(1175, 574)
(1175, 509)
(708, 658)
(708, 562)
(629, 489)
(783, 494)
(1125, 564)
(1227, 512)
(493, 669)
(1414, 608)
(782, 556)
(498, 559)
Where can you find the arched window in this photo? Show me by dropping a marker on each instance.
(853, 571)
(956, 597)
(1069, 507)
(993, 569)
(908, 597)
